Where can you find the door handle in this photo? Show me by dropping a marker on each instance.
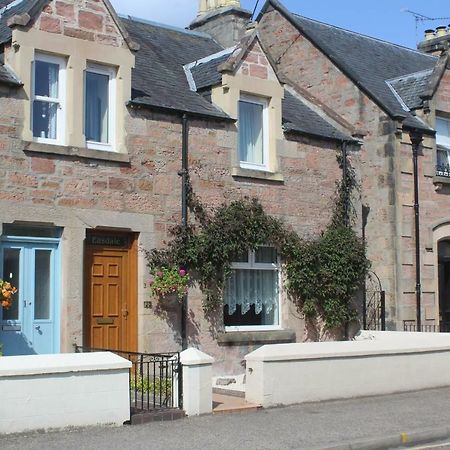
(125, 312)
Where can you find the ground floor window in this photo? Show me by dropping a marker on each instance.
(252, 291)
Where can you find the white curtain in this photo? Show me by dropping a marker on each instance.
(96, 113)
(251, 132)
(252, 287)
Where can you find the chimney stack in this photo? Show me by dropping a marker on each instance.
(224, 20)
(436, 41)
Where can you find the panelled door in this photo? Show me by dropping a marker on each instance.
(110, 319)
(31, 325)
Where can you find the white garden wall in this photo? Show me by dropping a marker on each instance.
(376, 363)
(56, 391)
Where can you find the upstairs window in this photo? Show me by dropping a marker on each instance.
(99, 107)
(253, 130)
(48, 99)
(251, 293)
(443, 147)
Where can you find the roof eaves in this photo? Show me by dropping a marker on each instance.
(220, 116)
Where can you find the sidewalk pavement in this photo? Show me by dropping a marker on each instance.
(366, 423)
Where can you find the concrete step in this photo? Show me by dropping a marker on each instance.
(231, 404)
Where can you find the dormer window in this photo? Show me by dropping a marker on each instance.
(99, 107)
(48, 99)
(443, 147)
(253, 133)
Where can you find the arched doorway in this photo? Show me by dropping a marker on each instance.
(444, 284)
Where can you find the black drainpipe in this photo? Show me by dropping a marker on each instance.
(184, 217)
(344, 181)
(416, 139)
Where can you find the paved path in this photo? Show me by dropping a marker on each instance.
(308, 426)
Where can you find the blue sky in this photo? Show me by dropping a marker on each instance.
(384, 19)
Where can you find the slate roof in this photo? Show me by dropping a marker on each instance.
(205, 73)
(411, 87)
(298, 117)
(367, 61)
(8, 77)
(159, 79)
(23, 7)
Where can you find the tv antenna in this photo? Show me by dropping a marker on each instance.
(421, 18)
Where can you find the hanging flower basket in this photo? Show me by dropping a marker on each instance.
(169, 286)
(7, 290)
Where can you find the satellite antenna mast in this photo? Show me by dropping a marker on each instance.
(420, 18)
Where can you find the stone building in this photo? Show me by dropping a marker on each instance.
(94, 110)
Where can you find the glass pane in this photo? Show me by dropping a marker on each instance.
(242, 258)
(46, 79)
(442, 132)
(42, 286)
(97, 107)
(251, 298)
(251, 132)
(11, 273)
(266, 255)
(44, 119)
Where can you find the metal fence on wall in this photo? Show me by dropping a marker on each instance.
(155, 379)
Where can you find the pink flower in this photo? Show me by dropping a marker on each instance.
(182, 272)
(150, 281)
(159, 274)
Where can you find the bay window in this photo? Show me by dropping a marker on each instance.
(48, 95)
(251, 299)
(253, 132)
(99, 107)
(443, 146)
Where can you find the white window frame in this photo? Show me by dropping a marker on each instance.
(111, 73)
(443, 147)
(252, 265)
(265, 104)
(61, 100)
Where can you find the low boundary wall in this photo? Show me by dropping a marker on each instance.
(57, 391)
(375, 363)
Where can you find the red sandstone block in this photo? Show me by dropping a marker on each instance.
(65, 10)
(42, 165)
(120, 184)
(91, 21)
(50, 24)
(95, 6)
(258, 71)
(107, 40)
(79, 34)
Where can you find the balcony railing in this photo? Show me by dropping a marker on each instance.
(443, 170)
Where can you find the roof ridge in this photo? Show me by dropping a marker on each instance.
(402, 47)
(165, 26)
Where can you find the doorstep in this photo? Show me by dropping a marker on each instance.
(231, 404)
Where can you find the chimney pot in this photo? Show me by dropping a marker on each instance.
(429, 34)
(441, 31)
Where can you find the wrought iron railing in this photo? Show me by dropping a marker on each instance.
(425, 328)
(155, 379)
(443, 170)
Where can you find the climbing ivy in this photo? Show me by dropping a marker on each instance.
(322, 274)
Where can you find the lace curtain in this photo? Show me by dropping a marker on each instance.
(252, 287)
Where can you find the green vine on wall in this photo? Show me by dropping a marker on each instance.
(322, 275)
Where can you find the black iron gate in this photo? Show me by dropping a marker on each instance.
(374, 304)
(155, 379)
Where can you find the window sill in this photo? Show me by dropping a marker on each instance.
(256, 337)
(76, 152)
(441, 180)
(240, 172)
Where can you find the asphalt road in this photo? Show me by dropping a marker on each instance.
(308, 426)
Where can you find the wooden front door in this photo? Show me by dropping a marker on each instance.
(111, 293)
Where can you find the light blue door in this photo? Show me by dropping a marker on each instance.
(31, 325)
